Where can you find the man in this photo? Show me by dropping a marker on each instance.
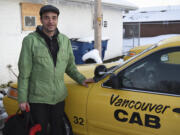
(45, 56)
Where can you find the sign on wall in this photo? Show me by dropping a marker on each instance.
(30, 16)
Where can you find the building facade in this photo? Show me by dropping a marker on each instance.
(75, 21)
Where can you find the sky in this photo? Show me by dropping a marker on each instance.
(150, 3)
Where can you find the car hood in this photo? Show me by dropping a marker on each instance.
(87, 70)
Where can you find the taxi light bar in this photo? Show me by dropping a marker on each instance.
(131, 53)
(12, 93)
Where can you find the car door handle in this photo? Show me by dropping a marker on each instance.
(177, 110)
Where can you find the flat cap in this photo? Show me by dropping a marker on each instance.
(48, 8)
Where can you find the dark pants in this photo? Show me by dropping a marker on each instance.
(46, 115)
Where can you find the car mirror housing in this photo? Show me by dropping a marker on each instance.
(99, 72)
(115, 81)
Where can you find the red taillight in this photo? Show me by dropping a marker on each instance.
(12, 93)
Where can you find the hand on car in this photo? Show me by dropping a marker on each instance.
(86, 81)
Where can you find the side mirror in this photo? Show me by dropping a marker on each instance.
(99, 72)
(115, 81)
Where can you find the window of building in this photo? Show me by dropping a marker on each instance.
(30, 16)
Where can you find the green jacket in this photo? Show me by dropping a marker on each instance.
(39, 80)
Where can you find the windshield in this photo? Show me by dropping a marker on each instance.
(123, 63)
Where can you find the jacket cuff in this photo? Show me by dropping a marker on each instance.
(81, 80)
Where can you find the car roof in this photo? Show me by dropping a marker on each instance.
(141, 47)
(170, 41)
(173, 41)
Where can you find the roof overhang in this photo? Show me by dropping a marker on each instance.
(120, 4)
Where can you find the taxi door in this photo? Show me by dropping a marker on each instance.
(147, 100)
(121, 112)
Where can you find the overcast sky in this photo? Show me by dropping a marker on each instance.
(149, 3)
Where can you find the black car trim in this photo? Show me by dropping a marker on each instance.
(142, 91)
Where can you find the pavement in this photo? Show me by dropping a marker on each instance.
(0, 133)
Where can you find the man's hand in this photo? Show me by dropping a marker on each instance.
(86, 81)
(24, 106)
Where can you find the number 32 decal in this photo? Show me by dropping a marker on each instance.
(78, 120)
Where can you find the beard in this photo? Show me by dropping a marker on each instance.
(49, 30)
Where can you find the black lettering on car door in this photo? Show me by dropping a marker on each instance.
(135, 118)
(117, 115)
(152, 121)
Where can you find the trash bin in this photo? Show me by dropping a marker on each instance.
(79, 49)
(104, 47)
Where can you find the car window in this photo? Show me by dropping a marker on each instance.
(171, 58)
(158, 72)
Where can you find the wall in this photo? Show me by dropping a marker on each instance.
(10, 38)
(159, 28)
(75, 21)
(113, 31)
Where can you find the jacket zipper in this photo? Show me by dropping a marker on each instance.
(53, 66)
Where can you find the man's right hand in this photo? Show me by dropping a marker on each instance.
(24, 106)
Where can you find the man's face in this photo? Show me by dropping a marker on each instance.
(49, 21)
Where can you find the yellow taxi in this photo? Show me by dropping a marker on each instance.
(140, 96)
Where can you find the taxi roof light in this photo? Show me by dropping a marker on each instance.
(131, 53)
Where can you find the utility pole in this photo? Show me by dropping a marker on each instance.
(97, 25)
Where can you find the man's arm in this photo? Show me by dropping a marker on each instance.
(25, 67)
(71, 69)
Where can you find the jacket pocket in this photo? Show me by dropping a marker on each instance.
(40, 52)
(41, 56)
